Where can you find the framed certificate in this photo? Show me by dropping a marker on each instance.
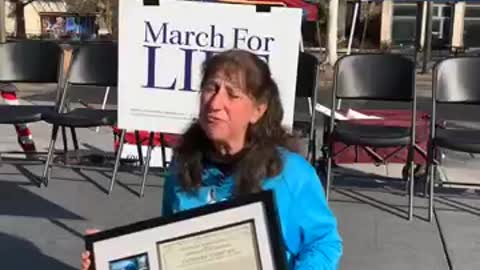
(239, 234)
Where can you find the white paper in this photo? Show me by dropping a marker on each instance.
(233, 248)
(350, 115)
(326, 111)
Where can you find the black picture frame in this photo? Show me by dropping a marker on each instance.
(266, 198)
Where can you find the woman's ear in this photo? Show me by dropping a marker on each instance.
(258, 112)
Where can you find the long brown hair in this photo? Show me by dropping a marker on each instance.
(260, 157)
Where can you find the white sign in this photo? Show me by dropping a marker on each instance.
(162, 48)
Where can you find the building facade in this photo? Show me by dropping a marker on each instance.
(454, 24)
(52, 20)
(393, 24)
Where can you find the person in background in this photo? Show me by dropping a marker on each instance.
(238, 146)
(24, 135)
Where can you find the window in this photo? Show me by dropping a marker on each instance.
(472, 26)
(405, 24)
(68, 26)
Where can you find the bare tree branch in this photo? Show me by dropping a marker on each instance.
(24, 3)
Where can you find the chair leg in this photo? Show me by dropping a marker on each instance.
(314, 147)
(65, 144)
(117, 160)
(46, 169)
(163, 151)
(146, 166)
(412, 191)
(411, 180)
(407, 178)
(139, 147)
(431, 172)
(426, 187)
(74, 138)
(329, 176)
(309, 151)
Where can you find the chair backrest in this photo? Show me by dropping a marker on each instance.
(307, 72)
(30, 61)
(457, 80)
(375, 76)
(311, 33)
(95, 64)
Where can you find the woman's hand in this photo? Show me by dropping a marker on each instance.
(86, 262)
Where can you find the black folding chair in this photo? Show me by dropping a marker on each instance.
(28, 62)
(311, 37)
(455, 82)
(306, 88)
(92, 65)
(374, 77)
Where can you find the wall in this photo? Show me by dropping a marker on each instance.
(32, 17)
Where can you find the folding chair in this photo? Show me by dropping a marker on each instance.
(92, 65)
(311, 35)
(306, 87)
(455, 82)
(28, 62)
(374, 77)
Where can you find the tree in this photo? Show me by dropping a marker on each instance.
(108, 11)
(19, 13)
(332, 31)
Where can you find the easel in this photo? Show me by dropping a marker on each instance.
(145, 164)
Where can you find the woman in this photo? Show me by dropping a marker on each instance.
(237, 146)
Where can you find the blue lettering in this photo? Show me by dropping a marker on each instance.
(214, 35)
(187, 81)
(267, 43)
(151, 60)
(149, 30)
(176, 37)
(204, 36)
(189, 33)
(251, 42)
(237, 37)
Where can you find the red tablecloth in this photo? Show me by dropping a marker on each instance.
(393, 118)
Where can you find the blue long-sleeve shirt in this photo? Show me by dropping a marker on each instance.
(309, 228)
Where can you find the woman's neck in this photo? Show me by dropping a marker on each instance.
(222, 155)
(230, 149)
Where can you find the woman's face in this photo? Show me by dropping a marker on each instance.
(226, 110)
